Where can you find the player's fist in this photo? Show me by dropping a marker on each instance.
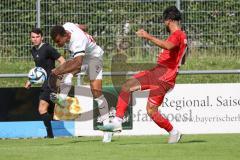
(55, 73)
(142, 33)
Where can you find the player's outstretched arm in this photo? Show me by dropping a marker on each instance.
(70, 66)
(27, 84)
(161, 43)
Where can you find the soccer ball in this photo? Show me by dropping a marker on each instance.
(37, 75)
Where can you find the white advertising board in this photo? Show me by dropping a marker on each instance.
(192, 108)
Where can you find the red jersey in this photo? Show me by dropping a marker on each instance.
(171, 59)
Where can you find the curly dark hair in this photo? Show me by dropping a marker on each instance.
(172, 13)
(57, 30)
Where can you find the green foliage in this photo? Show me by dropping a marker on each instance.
(194, 62)
(17, 19)
(211, 25)
(214, 23)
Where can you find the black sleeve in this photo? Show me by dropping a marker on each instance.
(53, 53)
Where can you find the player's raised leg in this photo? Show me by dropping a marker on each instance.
(62, 86)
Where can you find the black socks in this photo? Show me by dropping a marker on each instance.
(47, 122)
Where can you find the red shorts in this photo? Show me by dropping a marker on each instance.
(153, 80)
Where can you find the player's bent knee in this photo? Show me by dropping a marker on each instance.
(130, 85)
(125, 87)
(43, 107)
(96, 93)
(96, 88)
(151, 109)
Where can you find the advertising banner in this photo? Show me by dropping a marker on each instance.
(192, 108)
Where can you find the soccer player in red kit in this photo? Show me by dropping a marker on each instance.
(160, 79)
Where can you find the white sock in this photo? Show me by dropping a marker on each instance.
(173, 131)
(66, 86)
(63, 96)
(68, 79)
(117, 120)
(106, 121)
(103, 108)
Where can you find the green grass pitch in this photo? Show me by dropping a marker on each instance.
(192, 147)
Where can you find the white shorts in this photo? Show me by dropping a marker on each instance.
(93, 67)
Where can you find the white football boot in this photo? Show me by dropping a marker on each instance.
(174, 138)
(114, 126)
(107, 137)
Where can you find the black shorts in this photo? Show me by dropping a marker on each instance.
(45, 94)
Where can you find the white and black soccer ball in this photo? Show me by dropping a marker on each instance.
(37, 75)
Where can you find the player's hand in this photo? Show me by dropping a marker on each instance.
(27, 85)
(55, 73)
(142, 33)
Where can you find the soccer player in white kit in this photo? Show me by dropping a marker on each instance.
(84, 50)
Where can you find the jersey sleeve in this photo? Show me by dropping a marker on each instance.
(53, 53)
(174, 38)
(79, 40)
(78, 46)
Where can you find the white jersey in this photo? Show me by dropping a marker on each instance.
(81, 43)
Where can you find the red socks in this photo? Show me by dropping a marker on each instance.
(161, 121)
(122, 104)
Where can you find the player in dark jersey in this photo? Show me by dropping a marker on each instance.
(160, 79)
(44, 56)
